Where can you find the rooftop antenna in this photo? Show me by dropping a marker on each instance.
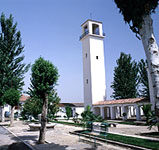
(91, 16)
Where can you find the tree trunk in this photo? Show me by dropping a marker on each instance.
(152, 54)
(2, 113)
(12, 116)
(43, 120)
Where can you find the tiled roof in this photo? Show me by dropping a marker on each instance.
(71, 104)
(122, 101)
(23, 98)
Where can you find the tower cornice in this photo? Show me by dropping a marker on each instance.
(91, 21)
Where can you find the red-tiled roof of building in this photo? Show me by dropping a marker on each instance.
(23, 98)
(122, 101)
(71, 104)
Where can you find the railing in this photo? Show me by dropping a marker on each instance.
(84, 34)
(87, 32)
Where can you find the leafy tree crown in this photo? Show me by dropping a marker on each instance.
(134, 10)
(12, 97)
(44, 78)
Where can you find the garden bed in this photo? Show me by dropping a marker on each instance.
(129, 141)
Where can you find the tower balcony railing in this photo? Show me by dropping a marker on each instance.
(84, 34)
(87, 32)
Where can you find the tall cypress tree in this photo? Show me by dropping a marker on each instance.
(143, 78)
(12, 68)
(125, 78)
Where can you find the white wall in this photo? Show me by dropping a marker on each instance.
(78, 110)
(87, 72)
(7, 108)
(97, 69)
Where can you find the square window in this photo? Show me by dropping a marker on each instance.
(87, 81)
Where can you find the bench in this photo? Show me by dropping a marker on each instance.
(94, 130)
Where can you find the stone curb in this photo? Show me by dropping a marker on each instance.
(113, 142)
(31, 147)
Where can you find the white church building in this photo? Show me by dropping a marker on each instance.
(92, 39)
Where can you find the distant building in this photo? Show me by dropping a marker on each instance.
(23, 98)
(77, 108)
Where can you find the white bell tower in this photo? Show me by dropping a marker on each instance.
(93, 62)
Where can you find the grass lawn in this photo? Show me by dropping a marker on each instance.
(131, 140)
(134, 141)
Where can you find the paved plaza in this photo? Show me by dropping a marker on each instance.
(60, 139)
(6, 138)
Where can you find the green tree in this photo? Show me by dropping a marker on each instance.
(43, 80)
(137, 13)
(68, 112)
(143, 79)
(33, 106)
(125, 78)
(53, 105)
(12, 97)
(12, 68)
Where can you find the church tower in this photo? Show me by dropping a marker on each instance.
(92, 39)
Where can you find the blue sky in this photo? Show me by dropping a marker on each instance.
(51, 29)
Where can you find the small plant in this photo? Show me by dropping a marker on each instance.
(151, 118)
(124, 114)
(68, 112)
(88, 115)
(147, 111)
